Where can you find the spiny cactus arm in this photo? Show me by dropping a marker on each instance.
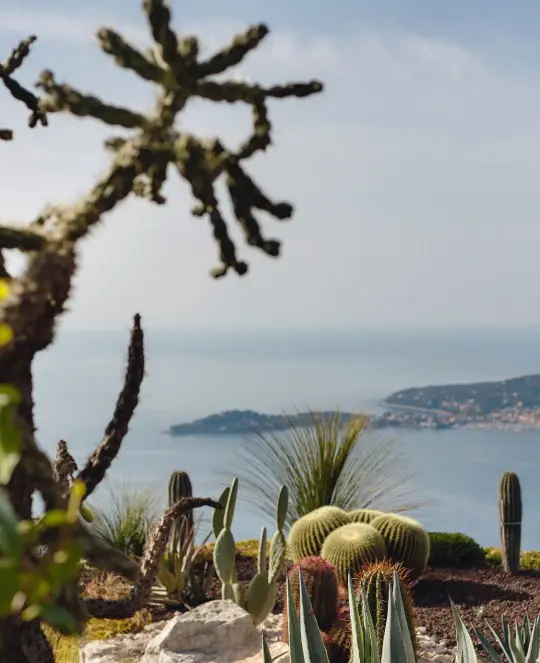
(23, 239)
(100, 461)
(233, 53)
(62, 97)
(138, 596)
(17, 91)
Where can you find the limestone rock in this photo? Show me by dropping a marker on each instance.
(215, 632)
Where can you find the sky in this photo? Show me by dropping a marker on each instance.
(414, 176)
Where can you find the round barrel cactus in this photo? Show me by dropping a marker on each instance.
(308, 533)
(352, 546)
(364, 515)
(407, 542)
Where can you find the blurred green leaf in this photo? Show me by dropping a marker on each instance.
(65, 565)
(58, 617)
(10, 436)
(51, 519)
(10, 543)
(9, 584)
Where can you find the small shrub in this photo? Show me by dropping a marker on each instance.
(530, 559)
(453, 549)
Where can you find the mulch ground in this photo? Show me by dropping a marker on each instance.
(480, 594)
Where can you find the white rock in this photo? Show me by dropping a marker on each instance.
(215, 632)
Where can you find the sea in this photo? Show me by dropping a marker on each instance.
(453, 473)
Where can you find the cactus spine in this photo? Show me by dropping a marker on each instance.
(260, 597)
(511, 513)
(179, 487)
(376, 580)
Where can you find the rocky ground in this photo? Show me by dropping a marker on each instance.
(480, 594)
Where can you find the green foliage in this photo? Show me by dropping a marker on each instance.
(510, 514)
(407, 542)
(453, 549)
(529, 559)
(518, 646)
(352, 546)
(309, 532)
(31, 589)
(322, 586)
(328, 463)
(126, 523)
(178, 582)
(260, 597)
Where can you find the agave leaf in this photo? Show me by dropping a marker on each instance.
(534, 643)
(393, 649)
(357, 647)
(267, 656)
(293, 621)
(400, 611)
(465, 648)
(488, 647)
(518, 645)
(370, 639)
(503, 643)
(312, 643)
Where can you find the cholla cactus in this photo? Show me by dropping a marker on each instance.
(139, 165)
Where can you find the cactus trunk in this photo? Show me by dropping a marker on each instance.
(179, 487)
(511, 513)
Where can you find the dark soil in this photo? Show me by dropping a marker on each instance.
(480, 594)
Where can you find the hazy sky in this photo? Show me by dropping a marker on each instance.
(414, 176)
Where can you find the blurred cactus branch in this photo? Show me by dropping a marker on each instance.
(20, 238)
(100, 461)
(17, 91)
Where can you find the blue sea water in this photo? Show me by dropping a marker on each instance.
(190, 375)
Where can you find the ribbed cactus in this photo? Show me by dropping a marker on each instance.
(260, 597)
(352, 546)
(377, 580)
(363, 515)
(338, 639)
(309, 532)
(407, 542)
(179, 487)
(321, 582)
(511, 513)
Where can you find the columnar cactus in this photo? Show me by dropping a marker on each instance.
(179, 487)
(260, 597)
(511, 513)
(322, 586)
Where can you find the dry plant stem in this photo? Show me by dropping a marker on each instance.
(138, 596)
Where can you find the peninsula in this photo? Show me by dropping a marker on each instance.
(507, 404)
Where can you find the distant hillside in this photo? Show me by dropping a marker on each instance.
(472, 401)
(239, 422)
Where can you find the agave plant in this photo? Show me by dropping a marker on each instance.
(306, 643)
(521, 646)
(178, 582)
